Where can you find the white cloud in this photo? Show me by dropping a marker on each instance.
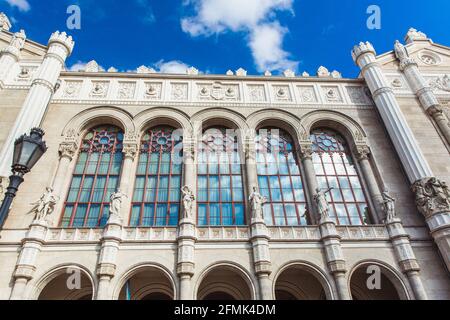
(256, 18)
(81, 66)
(22, 5)
(173, 66)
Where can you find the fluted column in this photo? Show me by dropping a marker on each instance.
(306, 154)
(335, 257)
(421, 89)
(187, 226)
(10, 55)
(130, 151)
(405, 257)
(106, 267)
(362, 155)
(42, 88)
(26, 263)
(411, 156)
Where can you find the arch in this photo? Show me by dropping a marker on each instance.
(346, 126)
(389, 273)
(219, 116)
(297, 291)
(88, 284)
(239, 291)
(168, 288)
(162, 116)
(99, 115)
(280, 119)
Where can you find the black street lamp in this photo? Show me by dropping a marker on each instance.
(28, 149)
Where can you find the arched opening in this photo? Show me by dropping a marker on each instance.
(297, 282)
(147, 283)
(372, 281)
(224, 283)
(67, 284)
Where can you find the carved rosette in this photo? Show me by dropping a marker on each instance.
(432, 196)
(362, 152)
(130, 150)
(68, 150)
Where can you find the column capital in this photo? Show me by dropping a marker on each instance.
(432, 196)
(130, 150)
(402, 54)
(362, 152)
(67, 150)
(306, 151)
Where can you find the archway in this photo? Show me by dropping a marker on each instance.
(373, 281)
(300, 282)
(147, 283)
(67, 284)
(225, 282)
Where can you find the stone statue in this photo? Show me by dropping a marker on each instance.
(45, 205)
(188, 202)
(322, 204)
(18, 40)
(5, 24)
(257, 201)
(389, 207)
(400, 51)
(116, 203)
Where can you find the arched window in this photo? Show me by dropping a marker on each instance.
(279, 179)
(156, 198)
(335, 168)
(96, 176)
(220, 197)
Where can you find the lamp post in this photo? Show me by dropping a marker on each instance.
(28, 149)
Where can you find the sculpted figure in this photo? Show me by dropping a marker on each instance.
(45, 205)
(257, 201)
(423, 198)
(18, 40)
(322, 204)
(437, 189)
(116, 203)
(389, 207)
(400, 51)
(188, 201)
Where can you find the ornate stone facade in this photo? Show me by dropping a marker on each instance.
(187, 259)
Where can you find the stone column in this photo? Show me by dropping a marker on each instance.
(335, 258)
(26, 263)
(259, 232)
(106, 267)
(421, 89)
(306, 153)
(42, 88)
(408, 149)
(433, 201)
(405, 257)
(130, 151)
(362, 155)
(187, 226)
(10, 55)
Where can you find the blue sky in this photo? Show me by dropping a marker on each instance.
(218, 35)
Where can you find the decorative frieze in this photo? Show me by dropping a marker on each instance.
(282, 93)
(153, 90)
(126, 90)
(218, 91)
(256, 93)
(179, 91)
(307, 94)
(332, 94)
(72, 89)
(99, 89)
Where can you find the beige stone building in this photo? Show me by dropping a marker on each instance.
(233, 186)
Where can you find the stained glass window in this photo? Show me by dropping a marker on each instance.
(335, 168)
(96, 177)
(220, 198)
(157, 191)
(279, 179)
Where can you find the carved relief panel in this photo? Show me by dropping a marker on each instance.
(179, 91)
(282, 93)
(218, 91)
(99, 89)
(332, 94)
(307, 94)
(152, 90)
(126, 90)
(256, 93)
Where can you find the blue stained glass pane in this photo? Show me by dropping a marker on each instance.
(142, 164)
(359, 194)
(239, 214)
(105, 216)
(80, 214)
(150, 195)
(151, 182)
(237, 181)
(214, 214)
(139, 189)
(279, 215)
(227, 214)
(175, 194)
(176, 168)
(318, 169)
(302, 212)
(337, 196)
(163, 194)
(93, 218)
(214, 189)
(173, 215)
(355, 182)
(291, 215)
(283, 167)
(161, 214)
(111, 188)
(267, 209)
(276, 195)
(86, 190)
(274, 182)
(104, 163)
(238, 194)
(92, 163)
(225, 182)
(67, 216)
(74, 189)
(81, 163)
(263, 183)
(135, 216)
(99, 188)
(299, 195)
(322, 181)
(154, 164)
(147, 219)
(225, 194)
(202, 217)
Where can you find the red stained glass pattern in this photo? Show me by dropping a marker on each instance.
(96, 176)
(334, 167)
